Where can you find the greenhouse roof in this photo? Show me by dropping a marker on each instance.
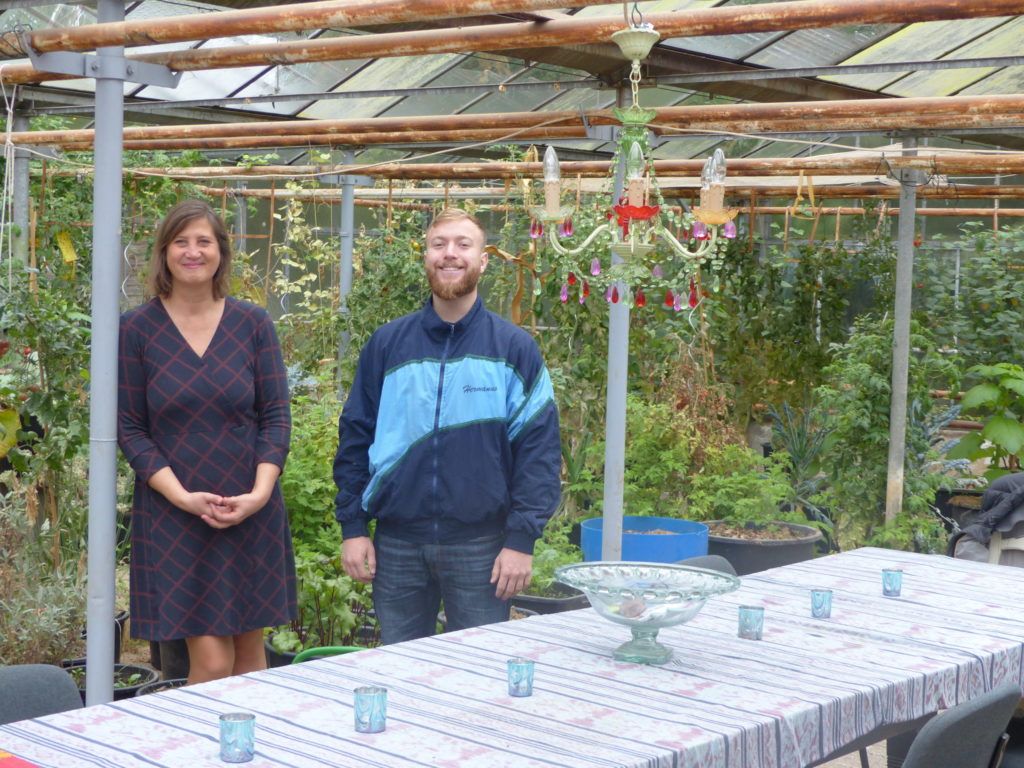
(973, 56)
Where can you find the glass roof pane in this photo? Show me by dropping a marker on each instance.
(308, 77)
(525, 101)
(819, 47)
(395, 72)
(475, 69)
(1001, 41)
(737, 47)
(915, 42)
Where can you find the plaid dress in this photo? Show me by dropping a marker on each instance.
(211, 419)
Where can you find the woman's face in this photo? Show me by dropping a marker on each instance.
(193, 254)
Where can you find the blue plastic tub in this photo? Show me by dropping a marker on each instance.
(687, 539)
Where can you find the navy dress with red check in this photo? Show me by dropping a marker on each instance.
(211, 419)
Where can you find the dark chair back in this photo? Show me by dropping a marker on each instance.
(965, 736)
(34, 690)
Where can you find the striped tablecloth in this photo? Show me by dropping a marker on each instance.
(810, 687)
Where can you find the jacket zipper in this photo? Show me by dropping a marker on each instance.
(437, 436)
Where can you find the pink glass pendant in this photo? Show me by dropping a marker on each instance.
(565, 228)
(595, 267)
(700, 230)
(657, 271)
(729, 229)
(536, 229)
(564, 295)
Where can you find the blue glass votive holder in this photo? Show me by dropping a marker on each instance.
(237, 737)
(520, 677)
(892, 581)
(371, 709)
(821, 603)
(751, 625)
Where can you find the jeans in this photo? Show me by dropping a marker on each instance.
(413, 579)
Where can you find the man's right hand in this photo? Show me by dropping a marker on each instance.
(359, 559)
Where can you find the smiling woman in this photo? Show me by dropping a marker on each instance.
(204, 420)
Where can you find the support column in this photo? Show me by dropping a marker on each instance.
(347, 237)
(20, 201)
(901, 338)
(615, 410)
(241, 244)
(103, 370)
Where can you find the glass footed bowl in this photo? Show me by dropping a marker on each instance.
(645, 597)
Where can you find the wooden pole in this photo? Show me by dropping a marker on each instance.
(765, 17)
(800, 116)
(280, 18)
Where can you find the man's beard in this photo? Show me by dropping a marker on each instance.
(447, 290)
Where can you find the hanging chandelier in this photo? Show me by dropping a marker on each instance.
(638, 228)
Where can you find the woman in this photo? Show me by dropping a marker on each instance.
(204, 420)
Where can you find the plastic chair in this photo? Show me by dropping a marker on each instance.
(1000, 543)
(325, 650)
(34, 690)
(969, 735)
(711, 562)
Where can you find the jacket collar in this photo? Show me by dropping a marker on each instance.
(435, 326)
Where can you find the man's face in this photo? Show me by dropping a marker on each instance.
(454, 258)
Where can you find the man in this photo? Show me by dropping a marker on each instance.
(449, 439)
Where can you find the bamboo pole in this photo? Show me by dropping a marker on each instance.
(347, 139)
(819, 165)
(332, 197)
(280, 18)
(799, 116)
(765, 17)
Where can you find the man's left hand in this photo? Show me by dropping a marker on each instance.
(512, 571)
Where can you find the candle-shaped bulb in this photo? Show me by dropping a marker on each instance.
(635, 162)
(551, 170)
(705, 175)
(718, 167)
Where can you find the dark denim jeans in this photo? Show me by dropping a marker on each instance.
(413, 579)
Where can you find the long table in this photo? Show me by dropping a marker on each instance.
(809, 689)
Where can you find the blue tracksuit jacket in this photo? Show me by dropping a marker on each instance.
(450, 433)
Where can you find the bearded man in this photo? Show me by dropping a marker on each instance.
(449, 441)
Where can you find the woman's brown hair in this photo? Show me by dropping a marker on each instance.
(180, 216)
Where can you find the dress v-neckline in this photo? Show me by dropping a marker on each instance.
(184, 340)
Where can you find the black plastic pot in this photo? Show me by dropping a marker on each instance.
(750, 555)
(559, 598)
(120, 622)
(161, 685)
(121, 672)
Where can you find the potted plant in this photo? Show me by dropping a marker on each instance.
(334, 609)
(999, 400)
(545, 593)
(128, 679)
(747, 503)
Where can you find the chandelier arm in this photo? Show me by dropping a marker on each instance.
(562, 250)
(703, 247)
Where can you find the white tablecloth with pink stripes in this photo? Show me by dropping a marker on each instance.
(807, 689)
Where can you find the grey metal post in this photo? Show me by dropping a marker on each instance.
(347, 237)
(20, 219)
(615, 412)
(106, 270)
(901, 338)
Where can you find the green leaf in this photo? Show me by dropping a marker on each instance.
(967, 448)
(9, 423)
(985, 393)
(1006, 433)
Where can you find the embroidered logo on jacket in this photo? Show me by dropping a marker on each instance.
(468, 388)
